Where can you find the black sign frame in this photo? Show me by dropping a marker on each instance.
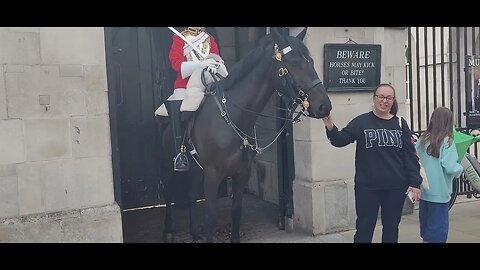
(370, 75)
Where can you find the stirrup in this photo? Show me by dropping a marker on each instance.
(180, 162)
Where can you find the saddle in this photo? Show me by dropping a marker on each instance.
(189, 118)
(193, 96)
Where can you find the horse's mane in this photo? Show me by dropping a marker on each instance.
(246, 64)
(298, 45)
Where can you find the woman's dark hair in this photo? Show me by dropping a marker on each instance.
(440, 127)
(394, 109)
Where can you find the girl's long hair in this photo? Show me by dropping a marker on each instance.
(440, 127)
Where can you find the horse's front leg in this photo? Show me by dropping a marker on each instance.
(239, 183)
(196, 181)
(194, 229)
(210, 186)
(168, 236)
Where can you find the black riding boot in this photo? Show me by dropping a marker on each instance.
(180, 162)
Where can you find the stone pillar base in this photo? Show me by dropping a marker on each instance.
(96, 224)
(324, 207)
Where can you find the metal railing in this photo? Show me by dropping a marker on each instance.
(436, 76)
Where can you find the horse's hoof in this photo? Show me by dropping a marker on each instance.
(208, 240)
(236, 238)
(168, 237)
(197, 237)
(199, 240)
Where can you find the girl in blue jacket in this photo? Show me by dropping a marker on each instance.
(438, 155)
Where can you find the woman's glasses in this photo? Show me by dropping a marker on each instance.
(388, 98)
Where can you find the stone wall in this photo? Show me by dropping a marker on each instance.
(55, 167)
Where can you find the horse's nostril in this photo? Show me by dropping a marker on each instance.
(324, 108)
(321, 108)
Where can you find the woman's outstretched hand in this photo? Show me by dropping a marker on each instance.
(328, 121)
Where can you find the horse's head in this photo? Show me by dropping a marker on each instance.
(295, 74)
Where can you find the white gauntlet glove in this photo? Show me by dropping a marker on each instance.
(220, 67)
(189, 67)
(215, 57)
(210, 65)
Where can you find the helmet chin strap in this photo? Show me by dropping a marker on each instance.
(195, 30)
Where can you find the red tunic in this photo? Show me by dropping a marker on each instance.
(177, 58)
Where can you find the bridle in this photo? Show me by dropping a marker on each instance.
(296, 94)
(292, 89)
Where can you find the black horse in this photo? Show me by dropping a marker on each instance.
(223, 125)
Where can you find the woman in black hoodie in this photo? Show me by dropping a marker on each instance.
(386, 166)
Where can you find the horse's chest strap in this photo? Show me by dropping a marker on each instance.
(223, 113)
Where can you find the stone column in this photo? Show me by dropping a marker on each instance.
(56, 182)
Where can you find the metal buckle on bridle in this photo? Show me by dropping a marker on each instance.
(301, 93)
(282, 71)
(303, 98)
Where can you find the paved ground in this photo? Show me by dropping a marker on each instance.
(260, 221)
(259, 218)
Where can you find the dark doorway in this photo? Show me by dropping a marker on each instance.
(138, 78)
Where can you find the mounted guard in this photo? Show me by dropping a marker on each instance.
(193, 51)
(224, 129)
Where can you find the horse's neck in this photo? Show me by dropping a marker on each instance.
(254, 91)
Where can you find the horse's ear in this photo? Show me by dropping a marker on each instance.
(277, 36)
(302, 34)
(284, 31)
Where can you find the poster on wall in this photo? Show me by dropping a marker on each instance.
(472, 91)
(352, 67)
